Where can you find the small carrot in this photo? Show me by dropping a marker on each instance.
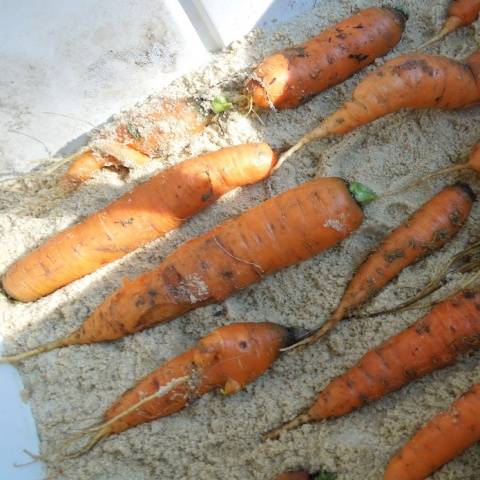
(229, 358)
(149, 211)
(407, 81)
(280, 232)
(436, 340)
(427, 230)
(460, 13)
(441, 440)
(291, 76)
(142, 135)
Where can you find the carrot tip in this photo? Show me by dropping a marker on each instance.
(290, 425)
(63, 342)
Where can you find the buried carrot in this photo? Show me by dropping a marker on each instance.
(407, 81)
(229, 358)
(280, 232)
(441, 440)
(289, 77)
(451, 329)
(138, 138)
(427, 230)
(148, 212)
(460, 13)
(304, 475)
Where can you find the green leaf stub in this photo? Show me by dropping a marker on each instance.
(361, 192)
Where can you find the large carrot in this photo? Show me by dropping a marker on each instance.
(147, 212)
(289, 77)
(449, 330)
(229, 358)
(141, 136)
(442, 439)
(428, 229)
(282, 231)
(408, 81)
(460, 13)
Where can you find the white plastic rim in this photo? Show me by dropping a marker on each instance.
(17, 427)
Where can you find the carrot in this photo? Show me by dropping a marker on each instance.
(143, 135)
(460, 13)
(407, 81)
(149, 211)
(427, 230)
(442, 439)
(280, 232)
(289, 77)
(436, 340)
(229, 358)
(294, 475)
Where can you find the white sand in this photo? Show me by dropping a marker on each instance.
(218, 437)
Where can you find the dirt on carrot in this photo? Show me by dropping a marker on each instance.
(215, 436)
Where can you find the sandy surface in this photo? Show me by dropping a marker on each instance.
(219, 437)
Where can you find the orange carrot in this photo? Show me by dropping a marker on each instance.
(149, 211)
(294, 475)
(142, 135)
(442, 439)
(460, 14)
(280, 232)
(229, 358)
(451, 329)
(291, 76)
(408, 81)
(427, 230)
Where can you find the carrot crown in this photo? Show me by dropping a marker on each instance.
(361, 193)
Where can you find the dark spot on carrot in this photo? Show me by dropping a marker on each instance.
(140, 302)
(410, 373)
(468, 294)
(206, 196)
(359, 26)
(359, 57)
(274, 79)
(363, 399)
(295, 52)
(422, 328)
(227, 274)
(243, 345)
(340, 120)
(152, 292)
(455, 218)
(393, 255)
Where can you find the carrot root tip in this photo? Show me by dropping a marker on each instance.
(63, 342)
(290, 425)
